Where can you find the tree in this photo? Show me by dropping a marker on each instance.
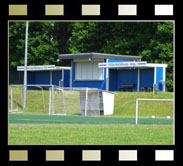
(42, 48)
(151, 40)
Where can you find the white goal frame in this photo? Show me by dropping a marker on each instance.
(137, 100)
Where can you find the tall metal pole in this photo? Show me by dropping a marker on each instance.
(25, 67)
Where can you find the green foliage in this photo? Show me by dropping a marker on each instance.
(151, 40)
(42, 49)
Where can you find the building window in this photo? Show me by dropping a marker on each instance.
(88, 71)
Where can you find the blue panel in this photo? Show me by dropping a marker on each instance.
(30, 77)
(113, 77)
(146, 77)
(159, 78)
(66, 78)
(89, 84)
(127, 76)
(119, 60)
(56, 77)
(42, 77)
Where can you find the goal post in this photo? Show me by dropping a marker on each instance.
(143, 99)
(37, 98)
(55, 100)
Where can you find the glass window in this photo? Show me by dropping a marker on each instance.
(88, 71)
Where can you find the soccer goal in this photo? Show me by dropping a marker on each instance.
(55, 100)
(37, 98)
(75, 101)
(157, 111)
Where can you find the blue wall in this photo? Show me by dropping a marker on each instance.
(119, 77)
(101, 84)
(119, 60)
(38, 77)
(56, 77)
(113, 78)
(66, 78)
(30, 78)
(127, 76)
(159, 78)
(146, 77)
(43, 77)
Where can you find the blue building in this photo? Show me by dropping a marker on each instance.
(47, 75)
(110, 72)
(103, 71)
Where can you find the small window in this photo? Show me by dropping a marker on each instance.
(88, 71)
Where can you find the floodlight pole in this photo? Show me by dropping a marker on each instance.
(25, 67)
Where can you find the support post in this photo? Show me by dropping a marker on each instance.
(25, 67)
(154, 80)
(107, 77)
(62, 78)
(86, 102)
(50, 77)
(136, 111)
(11, 99)
(50, 100)
(138, 80)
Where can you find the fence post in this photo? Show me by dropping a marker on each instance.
(136, 111)
(11, 99)
(86, 102)
(50, 100)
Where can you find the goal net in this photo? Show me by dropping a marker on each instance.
(54, 100)
(75, 101)
(37, 98)
(154, 111)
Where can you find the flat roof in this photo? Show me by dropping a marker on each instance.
(99, 56)
(43, 68)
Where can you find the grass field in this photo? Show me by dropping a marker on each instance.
(118, 129)
(90, 135)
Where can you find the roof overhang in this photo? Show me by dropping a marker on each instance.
(98, 56)
(43, 68)
(142, 64)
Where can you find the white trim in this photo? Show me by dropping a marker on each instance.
(142, 64)
(154, 75)
(42, 68)
(156, 65)
(63, 75)
(121, 64)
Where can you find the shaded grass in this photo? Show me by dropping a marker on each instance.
(90, 135)
(45, 119)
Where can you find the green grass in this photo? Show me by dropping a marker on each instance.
(90, 135)
(35, 127)
(125, 104)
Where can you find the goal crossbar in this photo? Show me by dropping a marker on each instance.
(137, 100)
